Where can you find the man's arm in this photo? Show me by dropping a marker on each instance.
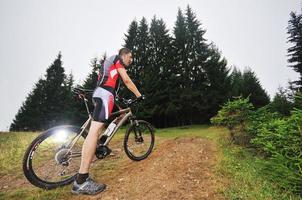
(128, 82)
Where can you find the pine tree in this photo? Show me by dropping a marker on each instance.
(71, 106)
(236, 83)
(252, 87)
(246, 84)
(56, 92)
(191, 53)
(294, 30)
(48, 104)
(281, 103)
(178, 75)
(91, 80)
(131, 38)
(197, 53)
(30, 115)
(142, 54)
(184, 77)
(217, 84)
(157, 74)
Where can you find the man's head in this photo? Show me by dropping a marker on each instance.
(126, 56)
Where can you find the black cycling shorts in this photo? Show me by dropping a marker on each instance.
(103, 102)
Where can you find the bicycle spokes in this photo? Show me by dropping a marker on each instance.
(53, 160)
(139, 140)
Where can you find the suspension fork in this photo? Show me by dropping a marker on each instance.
(137, 131)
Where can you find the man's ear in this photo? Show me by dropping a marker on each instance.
(121, 61)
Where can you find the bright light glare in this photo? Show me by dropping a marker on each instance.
(60, 136)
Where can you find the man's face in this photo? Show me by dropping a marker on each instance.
(127, 58)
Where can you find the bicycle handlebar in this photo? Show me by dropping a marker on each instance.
(81, 93)
(129, 102)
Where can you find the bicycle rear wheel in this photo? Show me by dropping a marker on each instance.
(49, 162)
(139, 140)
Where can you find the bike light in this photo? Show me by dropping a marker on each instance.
(61, 136)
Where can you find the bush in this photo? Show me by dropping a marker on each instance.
(278, 138)
(281, 140)
(259, 117)
(234, 116)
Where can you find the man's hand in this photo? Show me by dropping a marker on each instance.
(142, 97)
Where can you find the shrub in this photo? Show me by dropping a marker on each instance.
(259, 117)
(278, 138)
(281, 140)
(234, 116)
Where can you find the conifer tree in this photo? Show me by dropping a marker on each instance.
(30, 115)
(281, 103)
(246, 84)
(179, 75)
(157, 74)
(294, 30)
(48, 104)
(217, 83)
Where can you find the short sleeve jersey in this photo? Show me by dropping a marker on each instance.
(109, 76)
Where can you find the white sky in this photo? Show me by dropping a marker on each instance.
(249, 33)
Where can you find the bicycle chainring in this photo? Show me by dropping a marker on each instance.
(102, 151)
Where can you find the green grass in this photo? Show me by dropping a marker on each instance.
(13, 146)
(245, 180)
(238, 166)
(36, 194)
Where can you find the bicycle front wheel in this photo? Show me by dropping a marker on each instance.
(53, 158)
(139, 140)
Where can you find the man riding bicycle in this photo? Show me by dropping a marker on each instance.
(103, 100)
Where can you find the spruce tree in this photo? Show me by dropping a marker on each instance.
(217, 83)
(294, 30)
(91, 80)
(56, 94)
(246, 84)
(236, 83)
(179, 76)
(253, 87)
(281, 103)
(131, 42)
(197, 54)
(157, 74)
(48, 104)
(184, 77)
(30, 115)
(137, 40)
(142, 54)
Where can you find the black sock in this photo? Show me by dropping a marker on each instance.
(81, 178)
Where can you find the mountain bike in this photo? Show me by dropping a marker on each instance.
(53, 158)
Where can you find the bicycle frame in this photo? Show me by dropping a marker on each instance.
(126, 111)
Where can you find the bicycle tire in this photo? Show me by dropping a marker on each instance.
(126, 138)
(27, 159)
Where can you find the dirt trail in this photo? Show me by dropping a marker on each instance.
(180, 168)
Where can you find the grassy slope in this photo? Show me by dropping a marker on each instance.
(236, 165)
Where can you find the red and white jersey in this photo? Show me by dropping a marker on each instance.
(109, 76)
